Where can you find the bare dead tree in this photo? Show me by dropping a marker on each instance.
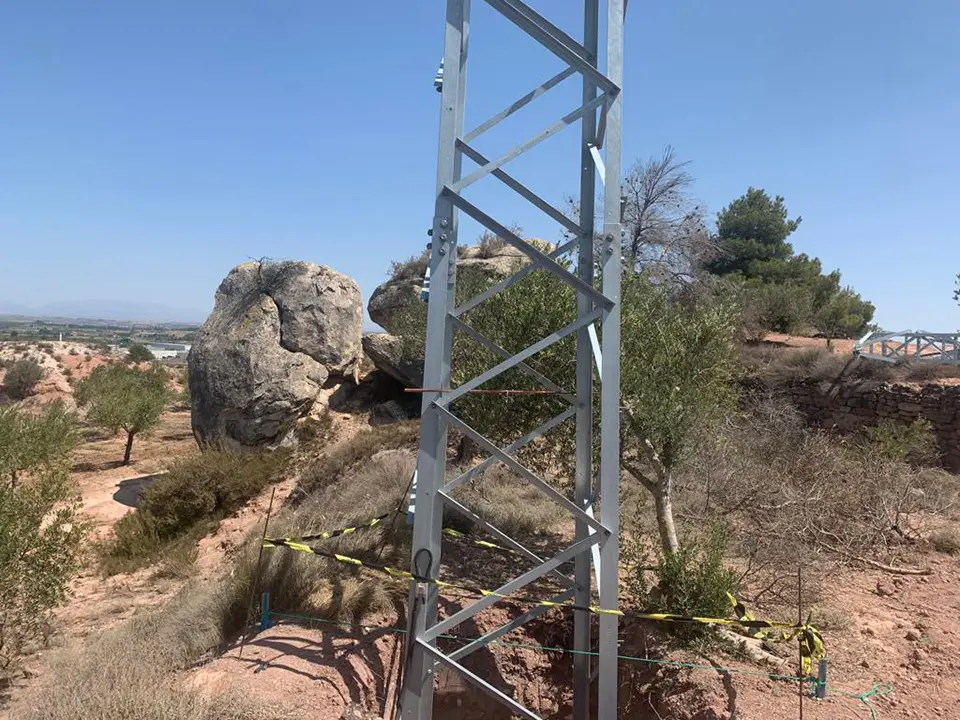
(666, 233)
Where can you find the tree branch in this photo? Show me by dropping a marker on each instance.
(878, 565)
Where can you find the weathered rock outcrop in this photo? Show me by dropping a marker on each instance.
(387, 353)
(389, 300)
(394, 295)
(277, 333)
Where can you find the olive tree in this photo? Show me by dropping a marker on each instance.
(22, 377)
(40, 523)
(677, 363)
(138, 353)
(120, 397)
(676, 374)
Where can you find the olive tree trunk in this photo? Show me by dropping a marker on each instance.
(129, 448)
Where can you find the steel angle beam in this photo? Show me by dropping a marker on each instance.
(524, 472)
(531, 614)
(547, 34)
(466, 512)
(515, 106)
(521, 189)
(544, 262)
(522, 367)
(539, 346)
(475, 680)
(508, 588)
(511, 280)
(549, 132)
(596, 539)
(510, 449)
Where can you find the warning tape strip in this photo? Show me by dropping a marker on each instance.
(377, 521)
(372, 523)
(811, 642)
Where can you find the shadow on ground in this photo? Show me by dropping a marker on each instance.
(129, 491)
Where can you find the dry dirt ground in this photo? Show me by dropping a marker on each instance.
(898, 637)
(898, 630)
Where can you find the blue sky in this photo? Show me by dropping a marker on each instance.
(148, 147)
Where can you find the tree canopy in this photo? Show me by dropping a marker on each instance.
(40, 524)
(783, 291)
(120, 397)
(138, 352)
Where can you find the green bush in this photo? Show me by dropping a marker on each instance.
(21, 378)
(188, 502)
(913, 443)
(138, 352)
(691, 581)
(40, 523)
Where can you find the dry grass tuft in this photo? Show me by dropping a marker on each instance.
(508, 503)
(946, 540)
(349, 454)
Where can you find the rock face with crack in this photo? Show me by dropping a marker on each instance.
(278, 332)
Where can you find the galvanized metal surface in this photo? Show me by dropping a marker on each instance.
(910, 346)
(594, 508)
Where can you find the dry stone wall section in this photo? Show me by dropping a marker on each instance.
(848, 407)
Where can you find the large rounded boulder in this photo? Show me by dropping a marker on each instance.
(278, 332)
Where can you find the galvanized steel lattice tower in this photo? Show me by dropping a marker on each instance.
(594, 510)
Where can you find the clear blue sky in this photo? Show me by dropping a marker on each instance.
(148, 147)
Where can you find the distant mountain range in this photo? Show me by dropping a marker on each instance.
(106, 310)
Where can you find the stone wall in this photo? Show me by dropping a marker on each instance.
(849, 406)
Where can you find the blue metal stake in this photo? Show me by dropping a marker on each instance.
(264, 611)
(821, 691)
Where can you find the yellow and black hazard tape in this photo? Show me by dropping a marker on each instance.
(485, 544)
(366, 525)
(811, 642)
(377, 521)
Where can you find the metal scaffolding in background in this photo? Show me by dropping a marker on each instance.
(594, 510)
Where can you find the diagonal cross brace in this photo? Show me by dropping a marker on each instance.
(490, 345)
(511, 448)
(476, 680)
(559, 125)
(511, 280)
(518, 358)
(536, 257)
(521, 470)
(518, 621)
(512, 586)
(513, 107)
(554, 40)
(501, 536)
(521, 189)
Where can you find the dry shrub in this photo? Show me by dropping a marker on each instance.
(413, 268)
(339, 459)
(129, 672)
(509, 503)
(185, 504)
(790, 491)
(490, 245)
(925, 371)
(946, 540)
(319, 429)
